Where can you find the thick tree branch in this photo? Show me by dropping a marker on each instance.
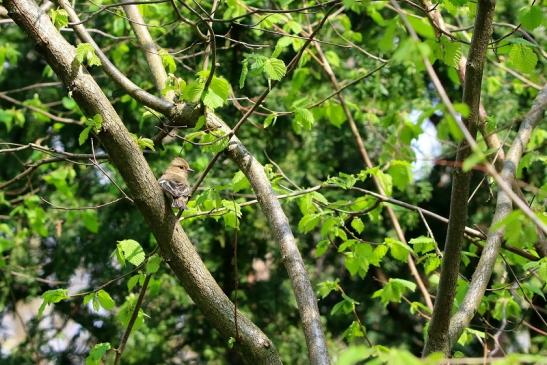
(482, 273)
(437, 339)
(279, 224)
(151, 51)
(305, 296)
(124, 153)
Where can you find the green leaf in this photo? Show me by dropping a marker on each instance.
(218, 93)
(401, 174)
(85, 54)
(52, 296)
(326, 287)
(59, 17)
(398, 249)
(132, 251)
(522, 58)
(394, 290)
(422, 244)
(422, 26)
(168, 61)
(244, 72)
(474, 159)
(84, 135)
(91, 221)
(275, 68)
(153, 264)
(145, 143)
(355, 330)
(105, 300)
(192, 92)
(531, 17)
(321, 248)
(270, 119)
(358, 224)
(431, 263)
(97, 353)
(335, 114)
(240, 182)
(133, 281)
(309, 222)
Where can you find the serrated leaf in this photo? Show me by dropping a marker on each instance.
(132, 251)
(153, 264)
(522, 58)
(168, 61)
(50, 297)
(192, 92)
(326, 287)
(308, 222)
(133, 281)
(85, 54)
(145, 143)
(275, 68)
(304, 118)
(97, 353)
(105, 300)
(398, 249)
(59, 17)
(422, 244)
(321, 248)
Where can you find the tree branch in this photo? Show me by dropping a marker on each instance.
(437, 339)
(483, 271)
(124, 153)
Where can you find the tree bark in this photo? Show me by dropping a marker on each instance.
(126, 156)
(438, 339)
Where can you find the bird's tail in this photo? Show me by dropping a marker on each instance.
(180, 202)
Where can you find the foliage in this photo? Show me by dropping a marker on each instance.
(74, 245)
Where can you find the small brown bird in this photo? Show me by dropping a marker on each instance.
(174, 182)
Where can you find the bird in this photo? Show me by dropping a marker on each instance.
(174, 183)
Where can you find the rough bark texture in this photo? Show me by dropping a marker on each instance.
(188, 115)
(437, 339)
(481, 276)
(126, 156)
(303, 290)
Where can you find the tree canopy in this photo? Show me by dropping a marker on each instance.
(369, 182)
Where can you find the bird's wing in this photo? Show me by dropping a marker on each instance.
(175, 189)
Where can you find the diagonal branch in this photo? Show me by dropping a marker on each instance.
(482, 273)
(437, 339)
(126, 156)
(306, 300)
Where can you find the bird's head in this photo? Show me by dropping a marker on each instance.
(180, 163)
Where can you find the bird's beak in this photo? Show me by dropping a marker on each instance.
(190, 169)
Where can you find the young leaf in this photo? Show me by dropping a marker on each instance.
(153, 264)
(132, 251)
(105, 300)
(84, 135)
(531, 17)
(358, 224)
(50, 297)
(97, 353)
(270, 119)
(275, 68)
(85, 54)
(244, 72)
(522, 58)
